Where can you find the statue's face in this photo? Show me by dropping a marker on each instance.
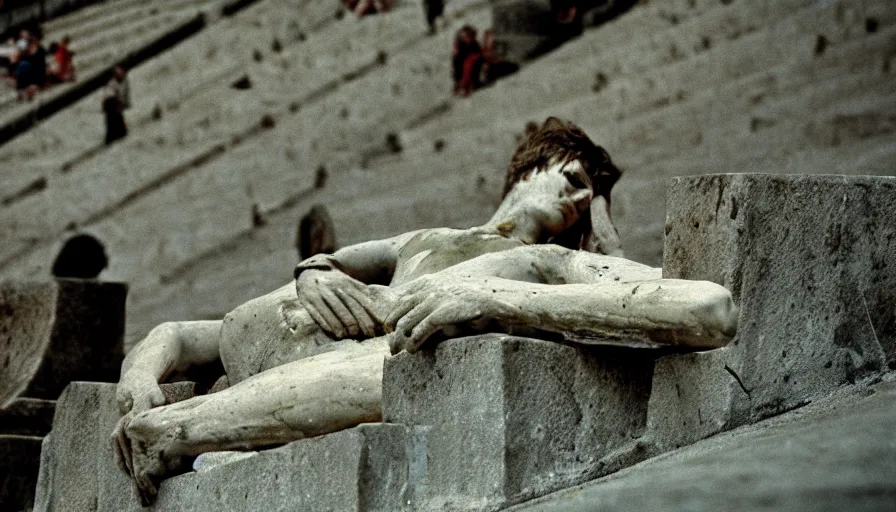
(555, 197)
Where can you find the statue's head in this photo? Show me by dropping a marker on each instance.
(559, 155)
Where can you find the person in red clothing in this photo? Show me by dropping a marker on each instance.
(65, 70)
(466, 61)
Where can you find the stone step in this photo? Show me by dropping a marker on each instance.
(839, 444)
(116, 22)
(513, 418)
(27, 417)
(87, 13)
(604, 54)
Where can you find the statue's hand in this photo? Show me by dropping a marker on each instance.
(339, 304)
(137, 391)
(434, 304)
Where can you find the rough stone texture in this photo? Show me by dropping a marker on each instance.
(836, 454)
(27, 314)
(27, 417)
(52, 333)
(77, 465)
(370, 467)
(513, 418)
(811, 262)
(20, 456)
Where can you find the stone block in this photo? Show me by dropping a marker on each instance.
(513, 418)
(52, 333)
(19, 457)
(369, 467)
(811, 262)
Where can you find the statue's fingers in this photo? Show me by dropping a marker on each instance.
(439, 319)
(362, 315)
(405, 327)
(422, 331)
(400, 309)
(124, 446)
(342, 313)
(146, 488)
(395, 343)
(317, 309)
(116, 450)
(156, 397)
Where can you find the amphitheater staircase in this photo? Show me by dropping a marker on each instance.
(202, 200)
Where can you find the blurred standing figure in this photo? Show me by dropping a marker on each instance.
(433, 9)
(116, 99)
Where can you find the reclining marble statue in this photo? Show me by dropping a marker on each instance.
(307, 359)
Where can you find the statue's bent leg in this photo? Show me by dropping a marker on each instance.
(312, 396)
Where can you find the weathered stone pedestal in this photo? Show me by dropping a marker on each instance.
(512, 418)
(811, 262)
(372, 467)
(50, 334)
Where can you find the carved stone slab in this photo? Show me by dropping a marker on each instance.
(811, 262)
(513, 418)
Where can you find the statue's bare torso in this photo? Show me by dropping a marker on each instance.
(251, 343)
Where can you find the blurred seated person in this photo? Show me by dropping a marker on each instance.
(365, 7)
(31, 71)
(476, 66)
(466, 61)
(62, 69)
(9, 57)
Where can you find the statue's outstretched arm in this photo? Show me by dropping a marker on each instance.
(653, 311)
(168, 347)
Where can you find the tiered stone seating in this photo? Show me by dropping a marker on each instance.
(194, 127)
(105, 33)
(669, 88)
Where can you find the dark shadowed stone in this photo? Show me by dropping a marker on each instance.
(27, 417)
(19, 457)
(87, 338)
(513, 418)
(811, 262)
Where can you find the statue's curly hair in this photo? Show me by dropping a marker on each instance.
(563, 141)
